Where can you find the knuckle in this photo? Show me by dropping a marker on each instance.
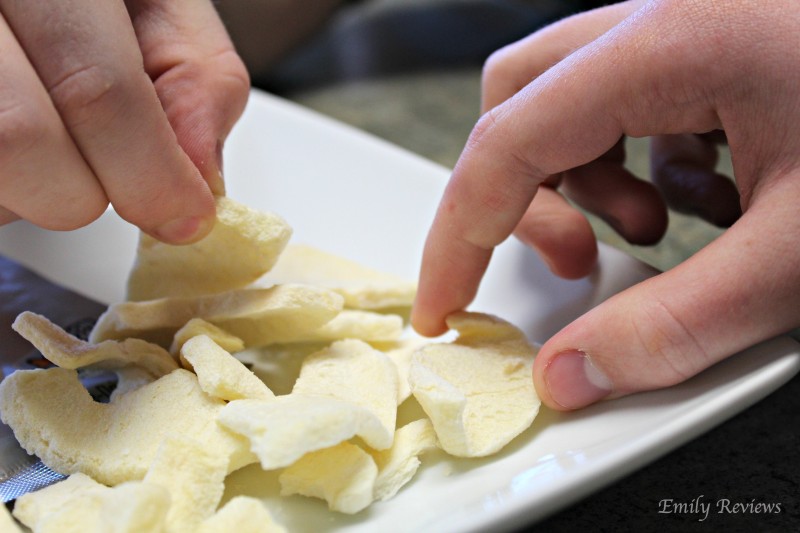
(483, 131)
(495, 67)
(491, 135)
(670, 342)
(90, 90)
(504, 74)
(237, 73)
(222, 75)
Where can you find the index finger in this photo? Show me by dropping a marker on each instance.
(624, 82)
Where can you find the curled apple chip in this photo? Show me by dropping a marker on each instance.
(242, 514)
(219, 373)
(194, 477)
(257, 316)
(79, 503)
(198, 326)
(286, 428)
(362, 287)
(398, 464)
(54, 417)
(478, 390)
(67, 351)
(355, 372)
(243, 245)
(343, 475)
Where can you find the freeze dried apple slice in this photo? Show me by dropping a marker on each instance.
(243, 245)
(351, 324)
(350, 478)
(343, 475)
(33, 506)
(219, 373)
(353, 371)
(194, 477)
(54, 417)
(362, 287)
(81, 504)
(198, 326)
(398, 464)
(286, 428)
(241, 514)
(67, 351)
(257, 316)
(478, 390)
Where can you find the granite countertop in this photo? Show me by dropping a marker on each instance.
(750, 458)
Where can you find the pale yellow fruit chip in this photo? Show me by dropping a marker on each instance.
(351, 324)
(198, 326)
(219, 373)
(80, 504)
(257, 316)
(343, 475)
(66, 351)
(398, 464)
(286, 428)
(54, 417)
(242, 514)
(243, 245)
(194, 476)
(355, 372)
(362, 287)
(31, 507)
(478, 390)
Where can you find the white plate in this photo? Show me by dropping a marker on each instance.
(354, 195)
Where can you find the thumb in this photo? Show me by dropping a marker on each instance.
(739, 290)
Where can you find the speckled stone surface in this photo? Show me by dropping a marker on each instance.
(751, 458)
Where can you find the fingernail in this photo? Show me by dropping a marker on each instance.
(217, 184)
(182, 230)
(574, 382)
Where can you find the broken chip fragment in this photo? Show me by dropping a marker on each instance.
(54, 417)
(282, 430)
(477, 390)
(257, 316)
(243, 245)
(219, 373)
(361, 287)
